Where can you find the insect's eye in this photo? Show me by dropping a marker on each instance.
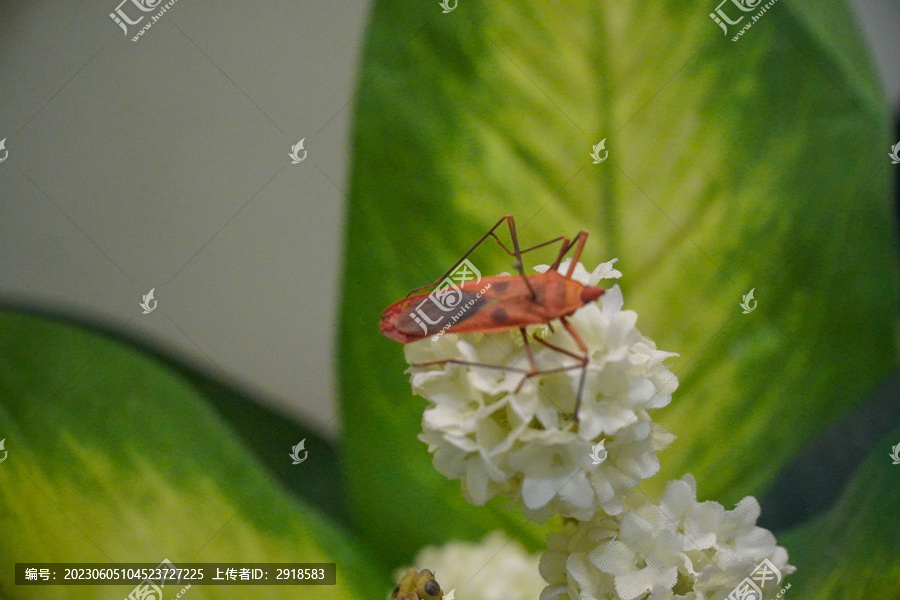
(432, 588)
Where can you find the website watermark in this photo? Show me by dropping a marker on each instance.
(462, 311)
(122, 17)
(448, 296)
(599, 452)
(295, 452)
(894, 153)
(152, 587)
(723, 19)
(148, 303)
(751, 587)
(296, 159)
(748, 298)
(595, 153)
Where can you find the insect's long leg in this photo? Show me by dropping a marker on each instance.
(583, 347)
(535, 247)
(532, 370)
(582, 238)
(558, 349)
(466, 363)
(490, 233)
(528, 351)
(532, 366)
(578, 242)
(516, 252)
(519, 266)
(544, 372)
(526, 375)
(582, 362)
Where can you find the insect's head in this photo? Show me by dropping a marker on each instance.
(428, 588)
(418, 585)
(591, 293)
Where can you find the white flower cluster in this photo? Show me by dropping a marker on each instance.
(499, 436)
(525, 443)
(497, 568)
(679, 549)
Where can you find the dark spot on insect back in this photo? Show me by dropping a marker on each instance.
(499, 316)
(500, 286)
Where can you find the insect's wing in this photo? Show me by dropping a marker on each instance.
(425, 315)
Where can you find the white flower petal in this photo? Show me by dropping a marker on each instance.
(612, 300)
(604, 271)
(645, 551)
(496, 568)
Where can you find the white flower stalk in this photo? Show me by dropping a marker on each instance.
(499, 437)
(497, 568)
(526, 444)
(676, 549)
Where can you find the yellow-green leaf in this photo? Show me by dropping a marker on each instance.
(112, 457)
(757, 164)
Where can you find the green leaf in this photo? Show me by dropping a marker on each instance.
(853, 552)
(112, 457)
(732, 165)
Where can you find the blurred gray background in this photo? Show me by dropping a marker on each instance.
(163, 163)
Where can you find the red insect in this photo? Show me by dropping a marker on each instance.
(498, 303)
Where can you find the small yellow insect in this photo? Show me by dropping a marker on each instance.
(417, 585)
